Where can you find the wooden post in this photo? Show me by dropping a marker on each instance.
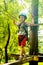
(34, 32)
(6, 55)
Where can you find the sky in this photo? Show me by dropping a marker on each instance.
(26, 8)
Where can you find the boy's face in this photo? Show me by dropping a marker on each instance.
(22, 19)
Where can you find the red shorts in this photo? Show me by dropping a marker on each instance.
(22, 40)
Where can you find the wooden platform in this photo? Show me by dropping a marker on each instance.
(17, 62)
(25, 60)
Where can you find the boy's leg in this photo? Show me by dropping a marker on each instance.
(22, 50)
(22, 54)
(23, 44)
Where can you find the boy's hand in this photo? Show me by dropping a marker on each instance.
(32, 24)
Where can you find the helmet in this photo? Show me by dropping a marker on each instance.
(23, 14)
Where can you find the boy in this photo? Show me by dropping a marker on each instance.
(22, 33)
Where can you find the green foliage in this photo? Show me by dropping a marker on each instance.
(40, 8)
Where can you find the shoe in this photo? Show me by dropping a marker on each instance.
(21, 57)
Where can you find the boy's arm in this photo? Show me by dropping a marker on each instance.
(32, 22)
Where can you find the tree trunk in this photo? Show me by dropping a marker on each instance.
(34, 32)
(6, 55)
